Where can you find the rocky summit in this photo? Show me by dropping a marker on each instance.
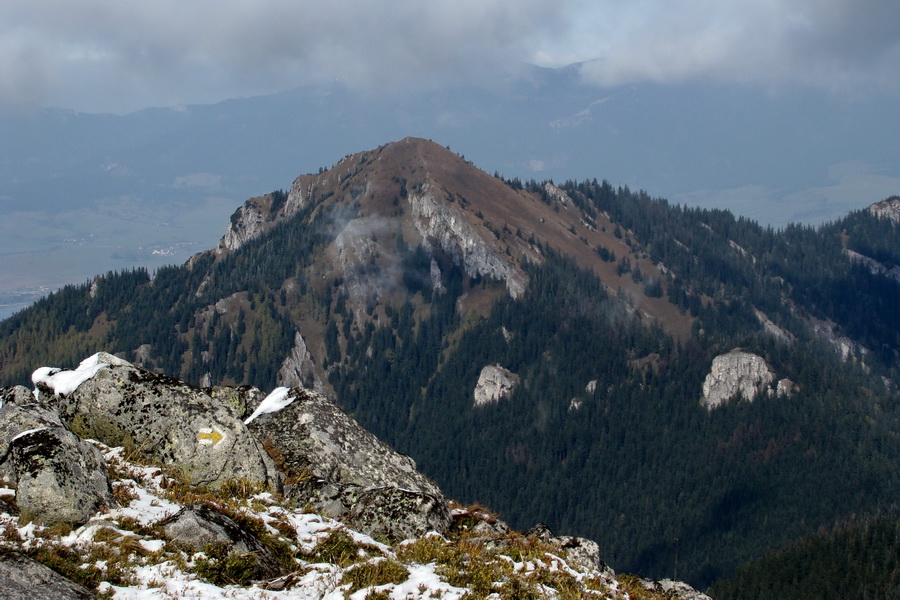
(122, 483)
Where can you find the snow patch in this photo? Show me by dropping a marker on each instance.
(272, 403)
(64, 382)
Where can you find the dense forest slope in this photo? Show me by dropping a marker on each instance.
(860, 559)
(391, 280)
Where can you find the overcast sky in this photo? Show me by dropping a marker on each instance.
(122, 55)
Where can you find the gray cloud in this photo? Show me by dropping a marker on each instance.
(836, 45)
(113, 55)
(120, 55)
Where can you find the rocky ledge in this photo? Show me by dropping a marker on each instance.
(129, 484)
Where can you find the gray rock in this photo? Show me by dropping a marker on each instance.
(299, 369)
(17, 393)
(494, 384)
(580, 552)
(397, 514)
(198, 527)
(387, 513)
(674, 589)
(889, 208)
(736, 374)
(169, 422)
(313, 437)
(443, 226)
(22, 578)
(59, 478)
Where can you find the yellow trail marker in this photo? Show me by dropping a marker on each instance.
(209, 436)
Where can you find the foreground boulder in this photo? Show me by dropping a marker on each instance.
(200, 528)
(335, 466)
(167, 421)
(59, 478)
(313, 437)
(22, 578)
(389, 513)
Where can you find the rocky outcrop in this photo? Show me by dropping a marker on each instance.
(888, 208)
(298, 369)
(677, 590)
(582, 552)
(442, 226)
(740, 374)
(782, 335)
(199, 527)
(22, 578)
(846, 348)
(166, 421)
(873, 266)
(313, 437)
(389, 513)
(58, 477)
(494, 384)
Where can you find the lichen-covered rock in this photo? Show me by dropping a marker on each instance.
(389, 513)
(312, 436)
(17, 393)
(580, 552)
(736, 374)
(22, 578)
(59, 478)
(494, 383)
(397, 514)
(678, 590)
(167, 421)
(199, 527)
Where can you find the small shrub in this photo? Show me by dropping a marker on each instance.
(123, 493)
(221, 567)
(636, 591)
(374, 573)
(338, 548)
(429, 549)
(242, 488)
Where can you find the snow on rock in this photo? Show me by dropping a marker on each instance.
(316, 437)
(62, 382)
(494, 384)
(278, 399)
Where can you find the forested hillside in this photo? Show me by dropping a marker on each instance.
(860, 559)
(392, 279)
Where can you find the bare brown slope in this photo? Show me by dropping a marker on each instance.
(370, 196)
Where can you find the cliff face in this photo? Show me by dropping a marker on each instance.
(494, 384)
(441, 226)
(740, 375)
(888, 208)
